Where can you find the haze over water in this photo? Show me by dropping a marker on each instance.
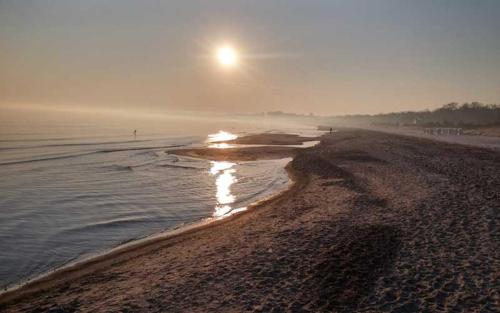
(77, 184)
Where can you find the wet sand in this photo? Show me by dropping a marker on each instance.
(375, 222)
(272, 146)
(239, 154)
(272, 139)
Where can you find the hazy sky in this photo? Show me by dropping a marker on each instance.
(326, 57)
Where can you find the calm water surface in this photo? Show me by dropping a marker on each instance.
(64, 198)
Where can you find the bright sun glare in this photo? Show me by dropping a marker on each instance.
(227, 56)
(221, 136)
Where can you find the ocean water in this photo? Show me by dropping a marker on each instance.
(65, 197)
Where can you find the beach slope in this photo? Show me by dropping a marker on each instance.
(375, 222)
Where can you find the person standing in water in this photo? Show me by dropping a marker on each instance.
(135, 134)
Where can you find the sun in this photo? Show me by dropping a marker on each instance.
(227, 56)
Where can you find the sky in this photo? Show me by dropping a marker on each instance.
(326, 57)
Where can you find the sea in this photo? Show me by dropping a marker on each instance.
(75, 184)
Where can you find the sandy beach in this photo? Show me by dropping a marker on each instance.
(374, 222)
(489, 139)
(240, 154)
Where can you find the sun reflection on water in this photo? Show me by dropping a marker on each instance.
(224, 178)
(222, 145)
(221, 136)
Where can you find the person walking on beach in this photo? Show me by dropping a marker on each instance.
(135, 134)
(331, 130)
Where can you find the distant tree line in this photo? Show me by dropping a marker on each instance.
(466, 115)
(449, 115)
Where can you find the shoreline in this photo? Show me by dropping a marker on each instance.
(373, 222)
(121, 252)
(130, 249)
